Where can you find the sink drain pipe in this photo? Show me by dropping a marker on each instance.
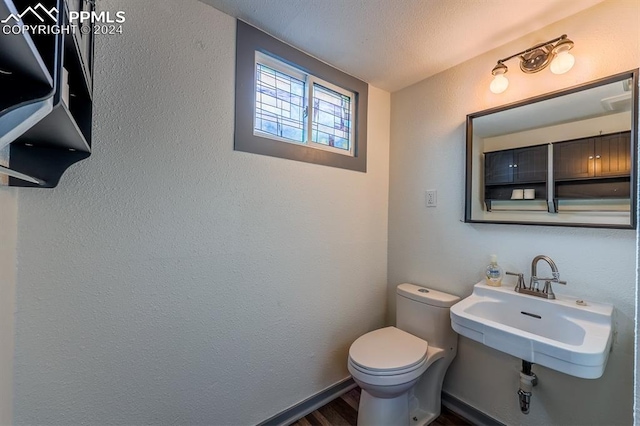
(528, 380)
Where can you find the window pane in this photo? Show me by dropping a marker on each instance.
(279, 104)
(331, 123)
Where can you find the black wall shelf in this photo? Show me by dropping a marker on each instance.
(44, 128)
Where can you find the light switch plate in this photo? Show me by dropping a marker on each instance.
(431, 198)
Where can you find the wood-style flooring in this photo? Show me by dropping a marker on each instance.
(343, 411)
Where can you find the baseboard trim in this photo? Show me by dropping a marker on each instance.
(310, 404)
(470, 413)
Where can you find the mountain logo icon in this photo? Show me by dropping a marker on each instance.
(39, 11)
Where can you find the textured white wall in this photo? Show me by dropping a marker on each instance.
(8, 227)
(433, 247)
(172, 280)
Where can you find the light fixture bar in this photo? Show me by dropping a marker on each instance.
(554, 53)
(531, 49)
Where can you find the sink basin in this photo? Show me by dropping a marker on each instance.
(559, 334)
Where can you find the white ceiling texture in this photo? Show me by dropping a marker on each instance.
(392, 44)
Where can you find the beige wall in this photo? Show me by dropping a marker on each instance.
(172, 280)
(8, 227)
(433, 247)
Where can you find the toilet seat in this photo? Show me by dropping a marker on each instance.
(390, 373)
(388, 352)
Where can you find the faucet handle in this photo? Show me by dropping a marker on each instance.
(547, 290)
(553, 280)
(520, 283)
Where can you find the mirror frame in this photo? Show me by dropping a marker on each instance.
(633, 74)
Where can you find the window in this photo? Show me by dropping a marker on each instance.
(285, 95)
(293, 106)
(281, 101)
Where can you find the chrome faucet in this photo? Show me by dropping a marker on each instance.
(533, 282)
(533, 289)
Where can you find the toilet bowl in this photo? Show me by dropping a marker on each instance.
(388, 358)
(400, 373)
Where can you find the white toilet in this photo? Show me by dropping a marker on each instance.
(400, 369)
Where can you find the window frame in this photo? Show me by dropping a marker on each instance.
(281, 67)
(249, 42)
(312, 80)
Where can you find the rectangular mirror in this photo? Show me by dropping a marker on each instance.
(567, 158)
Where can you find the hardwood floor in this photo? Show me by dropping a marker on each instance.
(343, 411)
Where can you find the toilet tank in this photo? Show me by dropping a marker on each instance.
(425, 313)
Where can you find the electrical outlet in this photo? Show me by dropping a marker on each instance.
(431, 197)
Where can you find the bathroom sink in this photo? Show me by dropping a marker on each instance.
(564, 334)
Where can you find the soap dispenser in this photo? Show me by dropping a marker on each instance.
(494, 272)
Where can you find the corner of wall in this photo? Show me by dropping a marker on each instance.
(8, 232)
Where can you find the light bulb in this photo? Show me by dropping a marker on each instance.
(499, 84)
(563, 62)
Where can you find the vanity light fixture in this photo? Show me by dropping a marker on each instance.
(554, 52)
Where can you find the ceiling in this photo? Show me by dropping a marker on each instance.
(392, 44)
(568, 108)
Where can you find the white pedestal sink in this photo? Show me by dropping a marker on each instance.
(561, 334)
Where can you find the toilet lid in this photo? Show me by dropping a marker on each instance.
(388, 349)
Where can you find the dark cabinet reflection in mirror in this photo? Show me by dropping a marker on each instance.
(566, 158)
(519, 169)
(593, 168)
